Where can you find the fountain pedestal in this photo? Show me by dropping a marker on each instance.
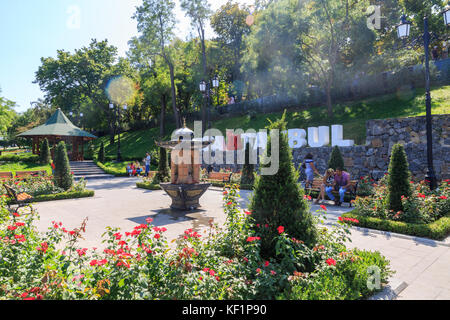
(185, 196)
(185, 188)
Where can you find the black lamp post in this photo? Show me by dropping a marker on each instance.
(403, 29)
(111, 107)
(205, 89)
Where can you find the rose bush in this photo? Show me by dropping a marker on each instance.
(217, 263)
(423, 206)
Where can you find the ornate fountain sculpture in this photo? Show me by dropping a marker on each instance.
(185, 187)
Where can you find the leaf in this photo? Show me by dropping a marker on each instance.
(121, 283)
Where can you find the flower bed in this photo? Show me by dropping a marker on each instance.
(221, 263)
(426, 213)
(43, 189)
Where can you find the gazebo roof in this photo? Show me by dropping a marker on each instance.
(57, 125)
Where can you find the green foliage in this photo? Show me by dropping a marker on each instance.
(101, 153)
(163, 174)
(336, 160)
(62, 175)
(23, 157)
(399, 178)
(248, 169)
(148, 185)
(45, 155)
(347, 280)
(279, 201)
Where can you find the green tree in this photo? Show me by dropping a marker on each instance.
(163, 174)
(336, 160)
(399, 178)
(101, 153)
(199, 11)
(248, 169)
(7, 115)
(156, 23)
(229, 23)
(45, 156)
(62, 176)
(78, 81)
(278, 199)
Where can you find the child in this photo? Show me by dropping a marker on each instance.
(129, 170)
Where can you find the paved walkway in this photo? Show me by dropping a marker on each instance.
(422, 264)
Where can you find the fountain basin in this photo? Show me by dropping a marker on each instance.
(185, 196)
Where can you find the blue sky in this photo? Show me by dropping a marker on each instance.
(31, 29)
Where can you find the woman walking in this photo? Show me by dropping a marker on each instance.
(328, 181)
(310, 169)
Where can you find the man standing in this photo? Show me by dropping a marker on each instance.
(341, 181)
(147, 164)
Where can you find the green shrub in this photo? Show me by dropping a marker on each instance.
(163, 174)
(148, 186)
(278, 199)
(45, 156)
(62, 175)
(24, 157)
(336, 160)
(248, 169)
(101, 153)
(399, 178)
(437, 230)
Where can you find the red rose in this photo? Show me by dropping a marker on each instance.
(280, 229)
(331, 261)
(323, 207)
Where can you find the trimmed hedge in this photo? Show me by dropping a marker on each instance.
(148, 186)
(437, 230)
(240, 186)
(112, 171)
(25, 157)
(61, 196)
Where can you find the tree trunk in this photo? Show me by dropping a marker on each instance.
(206, 78)
(163, 115)
(174, 95)
(329, 103)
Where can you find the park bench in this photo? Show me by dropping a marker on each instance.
(21, 199)
(24, 174)
(6, 175)
(219, 177)
(351, 191)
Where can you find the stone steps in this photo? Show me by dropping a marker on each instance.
(88, 170)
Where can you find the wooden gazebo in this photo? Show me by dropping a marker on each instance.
(60, 128)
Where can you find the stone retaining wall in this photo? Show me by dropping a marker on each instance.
(373, 157)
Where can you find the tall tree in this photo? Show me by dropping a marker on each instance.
(199, 11)
(230, 25)
(156, 22)
(7, 115)
(72, 80)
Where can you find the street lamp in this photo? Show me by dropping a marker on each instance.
(446, 14)
(205, 90)
(403, 29)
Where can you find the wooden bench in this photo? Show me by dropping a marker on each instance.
(351, 190)
(219, 177)
(6, 175)
(24, 174)
(21, 199)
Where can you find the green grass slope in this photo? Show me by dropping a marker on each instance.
(353, 116)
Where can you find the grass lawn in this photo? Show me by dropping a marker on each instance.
(352, 116)
(23, 166)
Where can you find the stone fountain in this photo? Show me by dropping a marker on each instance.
(185, 187)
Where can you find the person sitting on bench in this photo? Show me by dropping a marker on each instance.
(327, 181)
(341, 183)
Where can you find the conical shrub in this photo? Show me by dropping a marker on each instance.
(163, 174)
(62, 176)
(45, 156)
(336, 160)
(399, 178)
(101, 153)
(279, 201)
(247, 177)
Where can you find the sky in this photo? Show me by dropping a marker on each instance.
(31, 29)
